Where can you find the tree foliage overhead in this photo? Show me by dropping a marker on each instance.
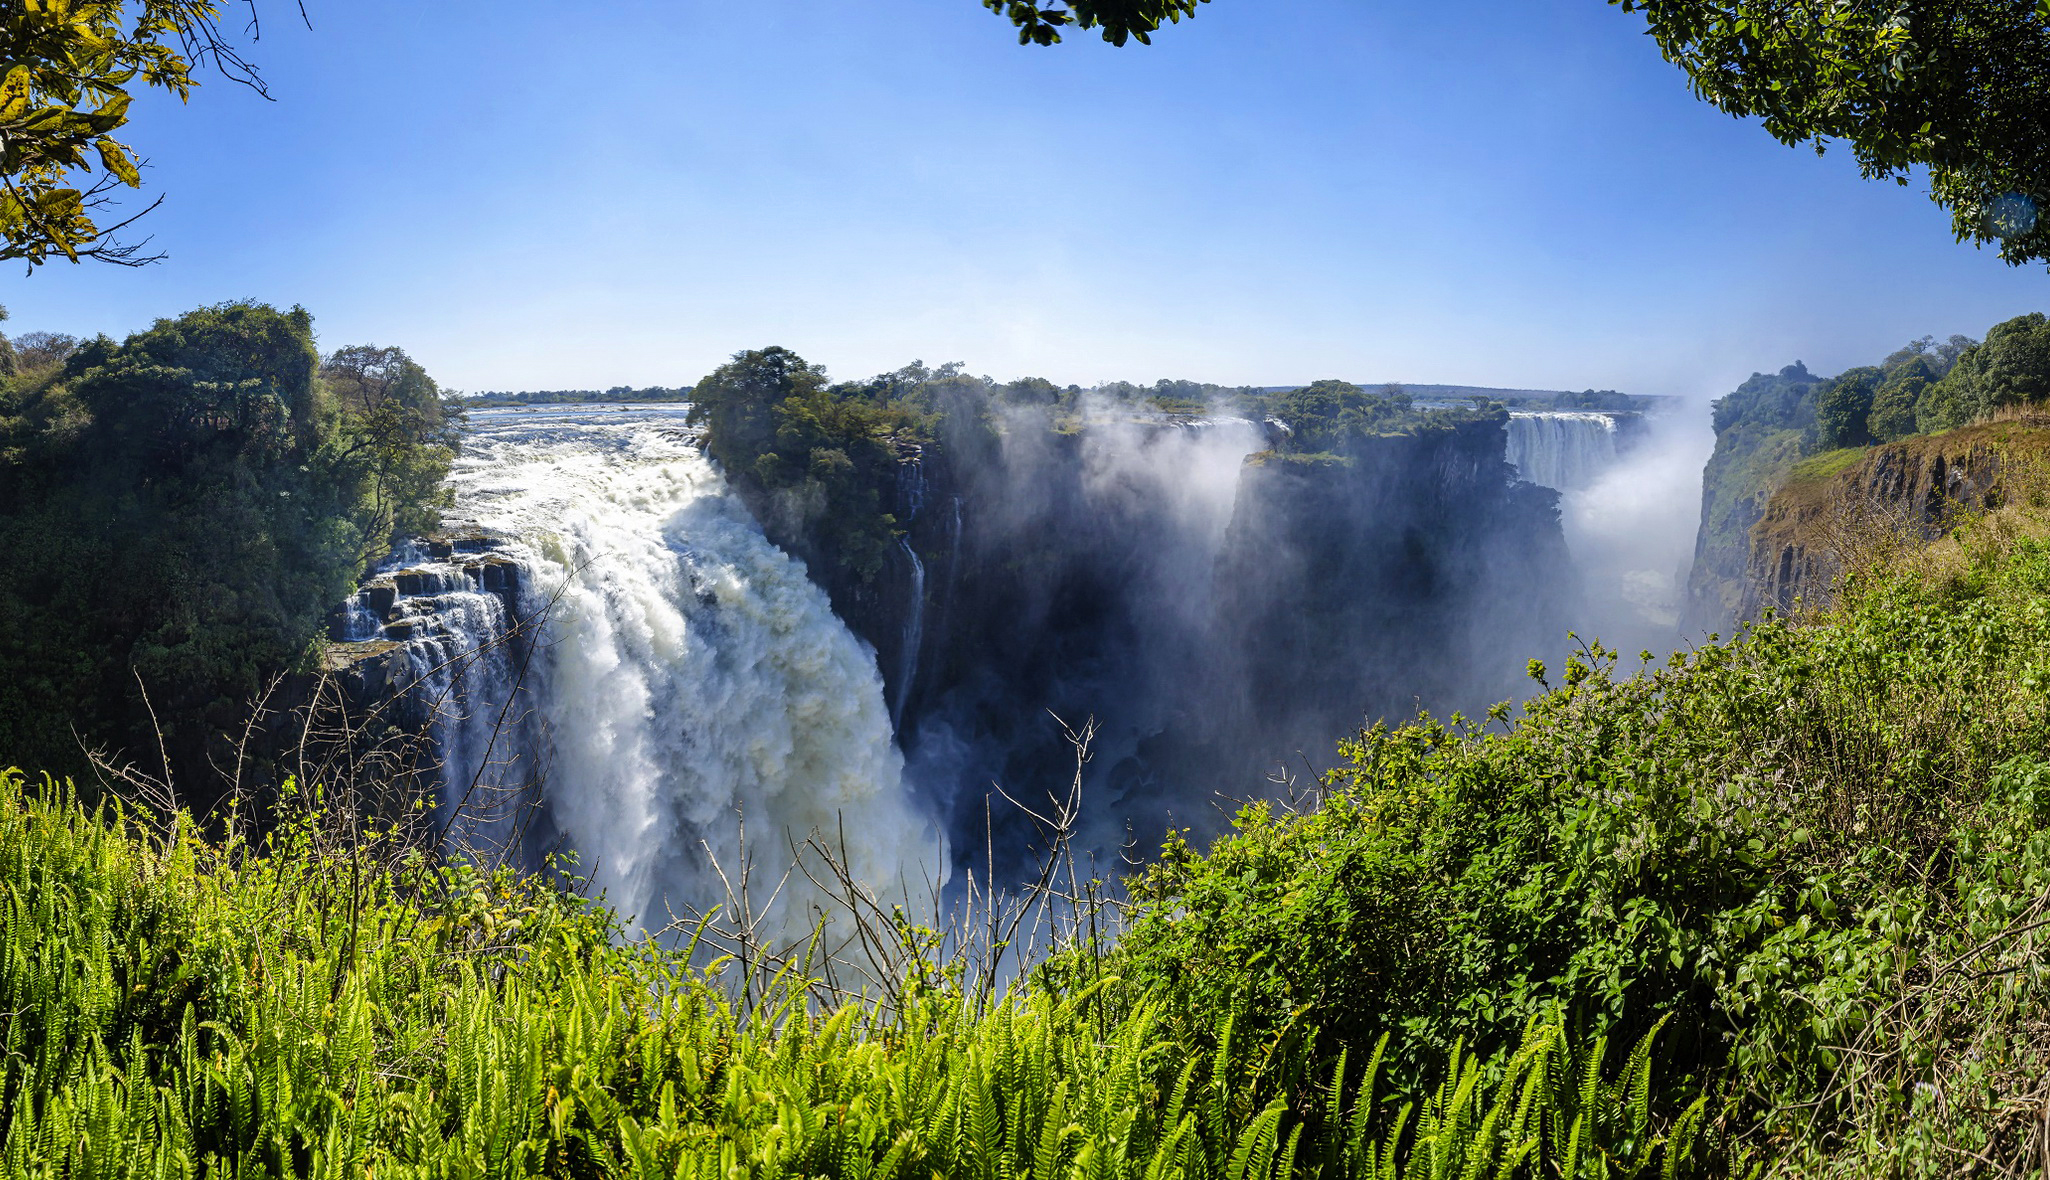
(1120, 20)
(68, 71)
(1961, 87)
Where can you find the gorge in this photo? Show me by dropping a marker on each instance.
(613, 657)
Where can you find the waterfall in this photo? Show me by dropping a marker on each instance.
(450, 616)
(914, 631)
(1561, 449)
(692, 695)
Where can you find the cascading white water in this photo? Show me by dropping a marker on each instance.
(689, 678)
(462, 672)
(914, 632)
(1561, 449)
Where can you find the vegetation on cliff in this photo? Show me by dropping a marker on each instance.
(1771, 422)
(818, 463)
(181, 511)
(1331, 418)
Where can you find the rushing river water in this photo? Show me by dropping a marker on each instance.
(689, 681)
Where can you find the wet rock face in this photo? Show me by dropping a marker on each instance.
(426, 611)
(400, 603)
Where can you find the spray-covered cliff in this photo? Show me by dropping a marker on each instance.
(1413, 571)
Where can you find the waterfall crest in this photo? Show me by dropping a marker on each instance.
(689, 681)
(1561, 449)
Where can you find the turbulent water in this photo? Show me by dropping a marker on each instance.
(689, 683)
(1567, 450)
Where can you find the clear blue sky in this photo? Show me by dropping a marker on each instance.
(1501, 192)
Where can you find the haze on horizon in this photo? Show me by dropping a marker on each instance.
(1500, 194)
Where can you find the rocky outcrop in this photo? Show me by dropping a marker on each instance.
(1835, 508)
(419, 611)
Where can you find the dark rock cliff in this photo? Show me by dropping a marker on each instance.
(1417, 574)
(1321, 595)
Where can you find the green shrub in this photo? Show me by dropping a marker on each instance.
(1810, 851)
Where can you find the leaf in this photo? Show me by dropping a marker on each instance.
(116, 160)
(14, 94)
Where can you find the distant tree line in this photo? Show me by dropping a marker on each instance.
(618, 393)
(181, 510)
(819, 461)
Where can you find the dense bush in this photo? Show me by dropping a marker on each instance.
(1842, 405)
(2010, 369)
(180, 512)
(1817, 852)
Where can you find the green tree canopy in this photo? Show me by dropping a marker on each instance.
(1961, 87)
(1842, 405)
(1326, 415)
(1120, 20)
(399, 428)
(1893, 403)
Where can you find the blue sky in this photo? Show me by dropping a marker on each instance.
(1501, 192)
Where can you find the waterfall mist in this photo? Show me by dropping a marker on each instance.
(1104, 545)
(1630, 500)
(1631, 532)
(1222, 620)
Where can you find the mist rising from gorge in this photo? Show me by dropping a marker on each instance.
(1631, 532)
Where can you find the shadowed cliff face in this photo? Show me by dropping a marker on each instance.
(1220, 618)
(1418, 575)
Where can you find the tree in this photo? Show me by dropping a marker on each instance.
(1960, 87)
(1842, 406)
(1893, 403)
(737, 403)
(234, 380)
(398, 429)
(68, 69)
(1120, 20)
(2011, 368)
(1328, 415)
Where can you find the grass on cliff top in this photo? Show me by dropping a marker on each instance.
(1826, 464)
